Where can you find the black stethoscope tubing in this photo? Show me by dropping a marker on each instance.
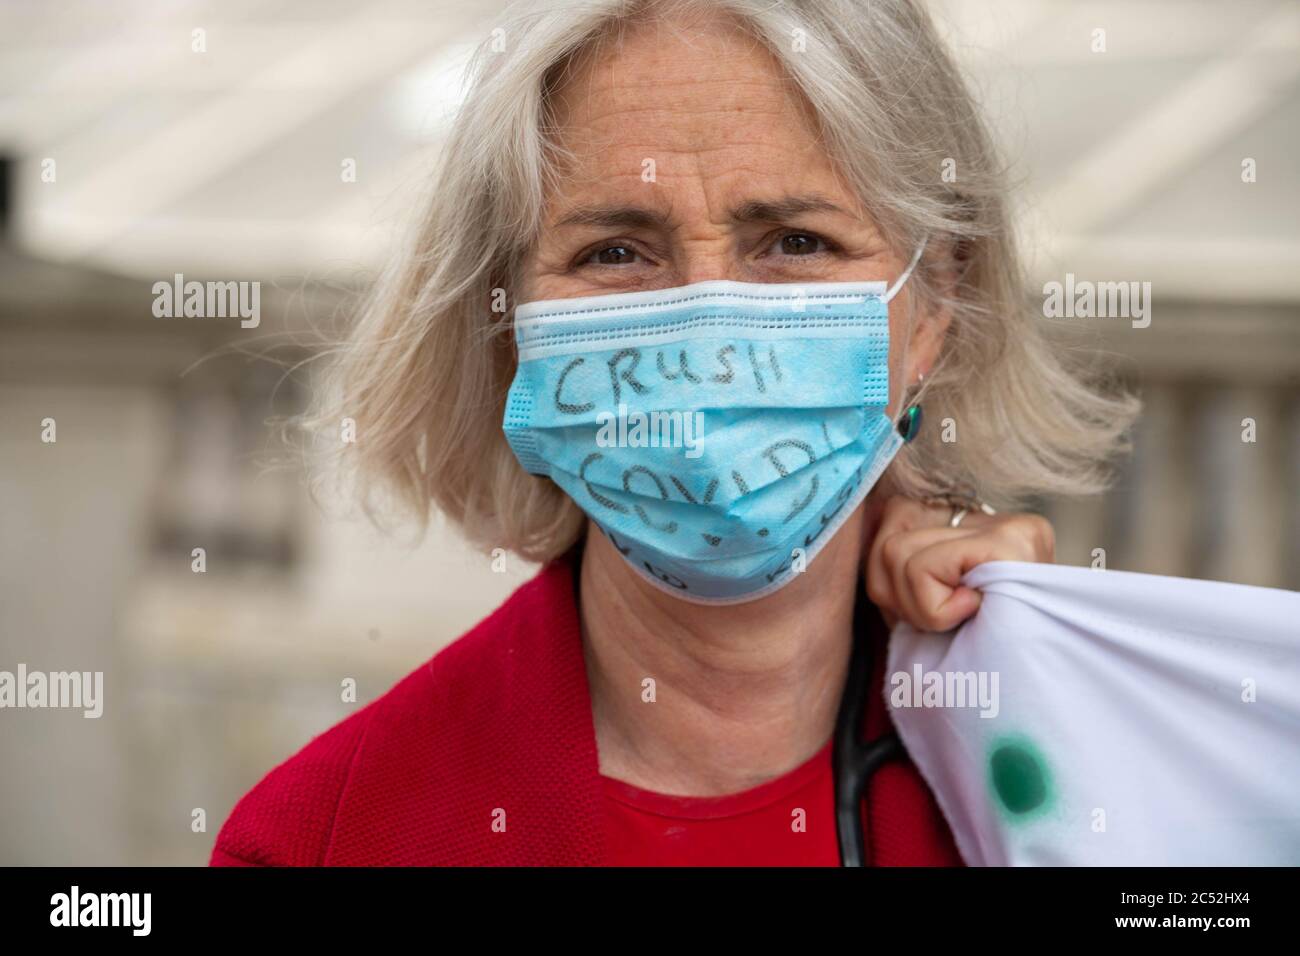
(853, 759)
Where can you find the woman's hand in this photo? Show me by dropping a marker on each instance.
(916, 562)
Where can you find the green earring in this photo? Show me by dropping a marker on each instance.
(910, 423)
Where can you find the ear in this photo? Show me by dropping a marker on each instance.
(927, 342)
(932, 319)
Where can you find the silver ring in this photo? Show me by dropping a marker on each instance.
(961, 506)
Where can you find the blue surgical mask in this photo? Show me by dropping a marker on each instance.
(718, 433)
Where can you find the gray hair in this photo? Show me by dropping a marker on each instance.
(425, 373)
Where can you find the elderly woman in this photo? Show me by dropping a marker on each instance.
(706, 261)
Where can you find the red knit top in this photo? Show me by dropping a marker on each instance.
(486, 755)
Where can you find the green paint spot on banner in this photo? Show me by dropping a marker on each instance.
(1019, 777)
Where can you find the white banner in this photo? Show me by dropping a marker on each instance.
(1089, 717)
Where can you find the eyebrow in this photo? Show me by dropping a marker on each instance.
(780, 210)
(630, 217)
(754, 210)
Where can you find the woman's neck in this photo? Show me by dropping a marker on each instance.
(740, 694)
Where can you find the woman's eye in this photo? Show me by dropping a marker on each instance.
(799, 244)
(613, 256)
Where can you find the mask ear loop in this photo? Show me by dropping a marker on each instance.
(907, 273)
(909, 423)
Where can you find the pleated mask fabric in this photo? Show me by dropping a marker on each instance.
(718, 433)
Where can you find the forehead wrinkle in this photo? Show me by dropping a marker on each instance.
(595, 75)
(601, 112)
(638, 133)
(633, 97)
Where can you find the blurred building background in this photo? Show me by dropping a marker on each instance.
(145, 139)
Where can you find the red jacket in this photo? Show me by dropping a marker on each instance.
(499, 719)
